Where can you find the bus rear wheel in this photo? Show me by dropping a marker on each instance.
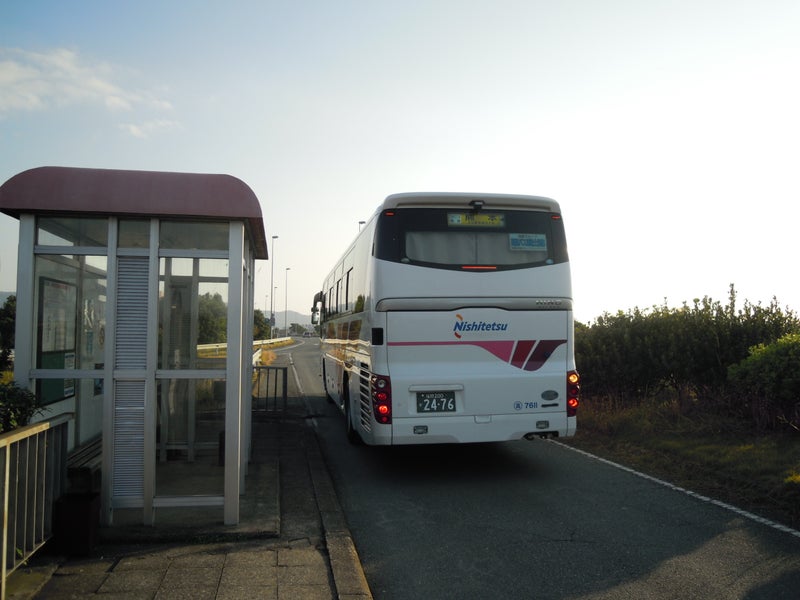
(328, 396)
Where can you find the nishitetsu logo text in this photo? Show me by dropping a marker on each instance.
(462, 325)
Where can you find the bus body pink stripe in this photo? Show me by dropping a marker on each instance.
(501, 349)
(521, 352)
(505, 349)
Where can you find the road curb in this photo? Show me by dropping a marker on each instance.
(348, 574)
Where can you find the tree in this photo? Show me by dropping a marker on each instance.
(212, 320)
(261, 328)
(7, 323)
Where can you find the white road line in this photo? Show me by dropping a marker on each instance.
(301, 391)
(724, 505)
(296, 377)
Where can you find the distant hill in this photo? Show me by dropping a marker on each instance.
(4, 295)
(293, 317)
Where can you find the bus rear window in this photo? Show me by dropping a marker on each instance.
(475, 241)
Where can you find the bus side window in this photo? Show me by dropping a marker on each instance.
(348, 301)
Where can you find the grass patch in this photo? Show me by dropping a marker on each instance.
(268, 354)
(717, 457)
(267, 357)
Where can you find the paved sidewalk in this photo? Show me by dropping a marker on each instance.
(292, 540)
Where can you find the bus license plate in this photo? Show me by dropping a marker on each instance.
(431, 402)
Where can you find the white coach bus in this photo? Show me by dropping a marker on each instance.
(449, 319)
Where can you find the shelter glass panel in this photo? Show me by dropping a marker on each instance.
(85, 400)
(190, 437)
(71, 231)
(193, 313)
(180, 235)
(70, 317)
(134, 233)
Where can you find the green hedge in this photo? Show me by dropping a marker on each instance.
(680, 354)
(767, 383)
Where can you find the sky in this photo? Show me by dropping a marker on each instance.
(668, 130)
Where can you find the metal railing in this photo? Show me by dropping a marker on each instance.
(34, 477)
(270, 389)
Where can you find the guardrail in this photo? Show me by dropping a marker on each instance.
(256, 344)
(34, 477)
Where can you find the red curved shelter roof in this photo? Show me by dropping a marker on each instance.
(66, 190)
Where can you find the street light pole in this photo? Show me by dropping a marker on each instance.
(286, 304)
(271, 295)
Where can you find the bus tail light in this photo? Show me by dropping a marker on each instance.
(381, 390)
(573, 392)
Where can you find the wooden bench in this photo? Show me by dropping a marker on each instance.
(84, 467)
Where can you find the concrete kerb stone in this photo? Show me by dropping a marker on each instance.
(346, 566)
(348, 574)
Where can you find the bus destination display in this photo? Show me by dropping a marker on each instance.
(481, 219)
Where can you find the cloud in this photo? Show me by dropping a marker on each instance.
(35, 81)
(148, 128)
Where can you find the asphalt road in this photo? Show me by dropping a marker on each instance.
(536, 520)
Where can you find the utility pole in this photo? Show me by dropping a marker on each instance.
(286, 304)
(272, 290)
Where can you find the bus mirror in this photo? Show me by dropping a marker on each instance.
(318, 299)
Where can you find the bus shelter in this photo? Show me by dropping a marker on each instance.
(135, 313)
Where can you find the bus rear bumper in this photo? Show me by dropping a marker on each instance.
(483, 428)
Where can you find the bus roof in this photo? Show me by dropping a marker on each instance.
(463, 199)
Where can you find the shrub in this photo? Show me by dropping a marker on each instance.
(17, 406)
(767, 383)
(683, 353)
